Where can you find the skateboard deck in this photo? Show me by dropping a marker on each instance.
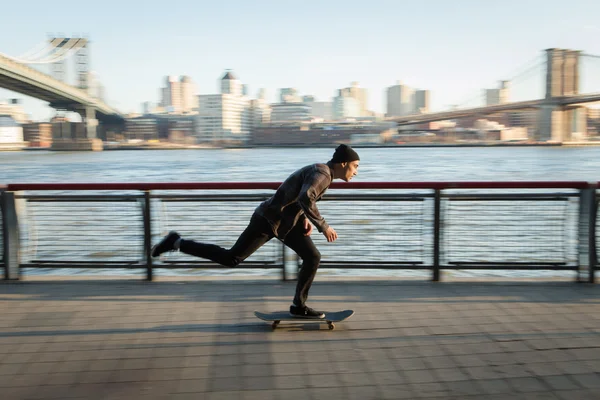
(279, 316)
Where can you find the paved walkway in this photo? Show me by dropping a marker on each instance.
(198, 339)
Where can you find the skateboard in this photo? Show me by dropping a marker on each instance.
(330, 317)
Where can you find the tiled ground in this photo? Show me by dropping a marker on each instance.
(199, 340)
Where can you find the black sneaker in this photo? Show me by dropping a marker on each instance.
(305, 312)
(166, 244)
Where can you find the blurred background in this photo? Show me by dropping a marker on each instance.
(235, 74)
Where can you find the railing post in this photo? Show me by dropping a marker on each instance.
(593, 256)
(436, 235)
(10, 226)
(283, 254)
(148, 235)
(586, 244)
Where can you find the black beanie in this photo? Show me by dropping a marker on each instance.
(344, 153)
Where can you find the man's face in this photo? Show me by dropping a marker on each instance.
(350, 170)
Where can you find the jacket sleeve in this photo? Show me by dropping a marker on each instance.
(313, 187)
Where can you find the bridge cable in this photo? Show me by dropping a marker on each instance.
(54, 54)
(62, 52)
(516, 75)
(43, 48)
(47, 51)
(526, 66)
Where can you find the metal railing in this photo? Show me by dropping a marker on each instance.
(432, 226)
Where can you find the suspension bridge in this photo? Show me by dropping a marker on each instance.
(18, 75)
(560, 113)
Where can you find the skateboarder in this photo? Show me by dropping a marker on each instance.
(287, 215)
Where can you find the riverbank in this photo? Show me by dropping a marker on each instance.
(170, 146)
(176, 146)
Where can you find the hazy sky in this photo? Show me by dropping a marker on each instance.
(454, 48)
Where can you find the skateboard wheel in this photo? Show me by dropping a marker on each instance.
(331, 326)
(274, 324)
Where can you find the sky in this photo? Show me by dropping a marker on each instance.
(453, 48)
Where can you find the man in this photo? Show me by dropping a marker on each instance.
(287, 215)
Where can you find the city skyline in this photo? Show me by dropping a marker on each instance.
(454, 51)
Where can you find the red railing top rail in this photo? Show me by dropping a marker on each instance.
(274, 185)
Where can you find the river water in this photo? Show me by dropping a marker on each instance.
(269, 164)
(275, 164)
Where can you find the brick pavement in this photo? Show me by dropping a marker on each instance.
(198, 339)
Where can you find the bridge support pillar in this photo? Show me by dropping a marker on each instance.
(556, 123)
(91, 123)
(560, 124)
(77, 136)
(551, 124)
(578, 122)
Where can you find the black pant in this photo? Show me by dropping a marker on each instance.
(257, 233)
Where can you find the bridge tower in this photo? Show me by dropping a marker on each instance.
(556, 122)
(77, 46)
(82, 136)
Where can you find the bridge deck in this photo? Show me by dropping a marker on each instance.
(199, 339)
(498, 108)
(31, 82)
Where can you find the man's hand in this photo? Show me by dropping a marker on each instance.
(330, 234)
(307, 227)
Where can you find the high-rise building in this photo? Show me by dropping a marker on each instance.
(345, 108)
(165, 97)
(359, 94)
(421, 102)
(289, 95)
(400, 100)
(260, 112)
(231, 85)
(188, 94)
(498, 96)
(178, 95)
(174, 92)
(225, 117)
